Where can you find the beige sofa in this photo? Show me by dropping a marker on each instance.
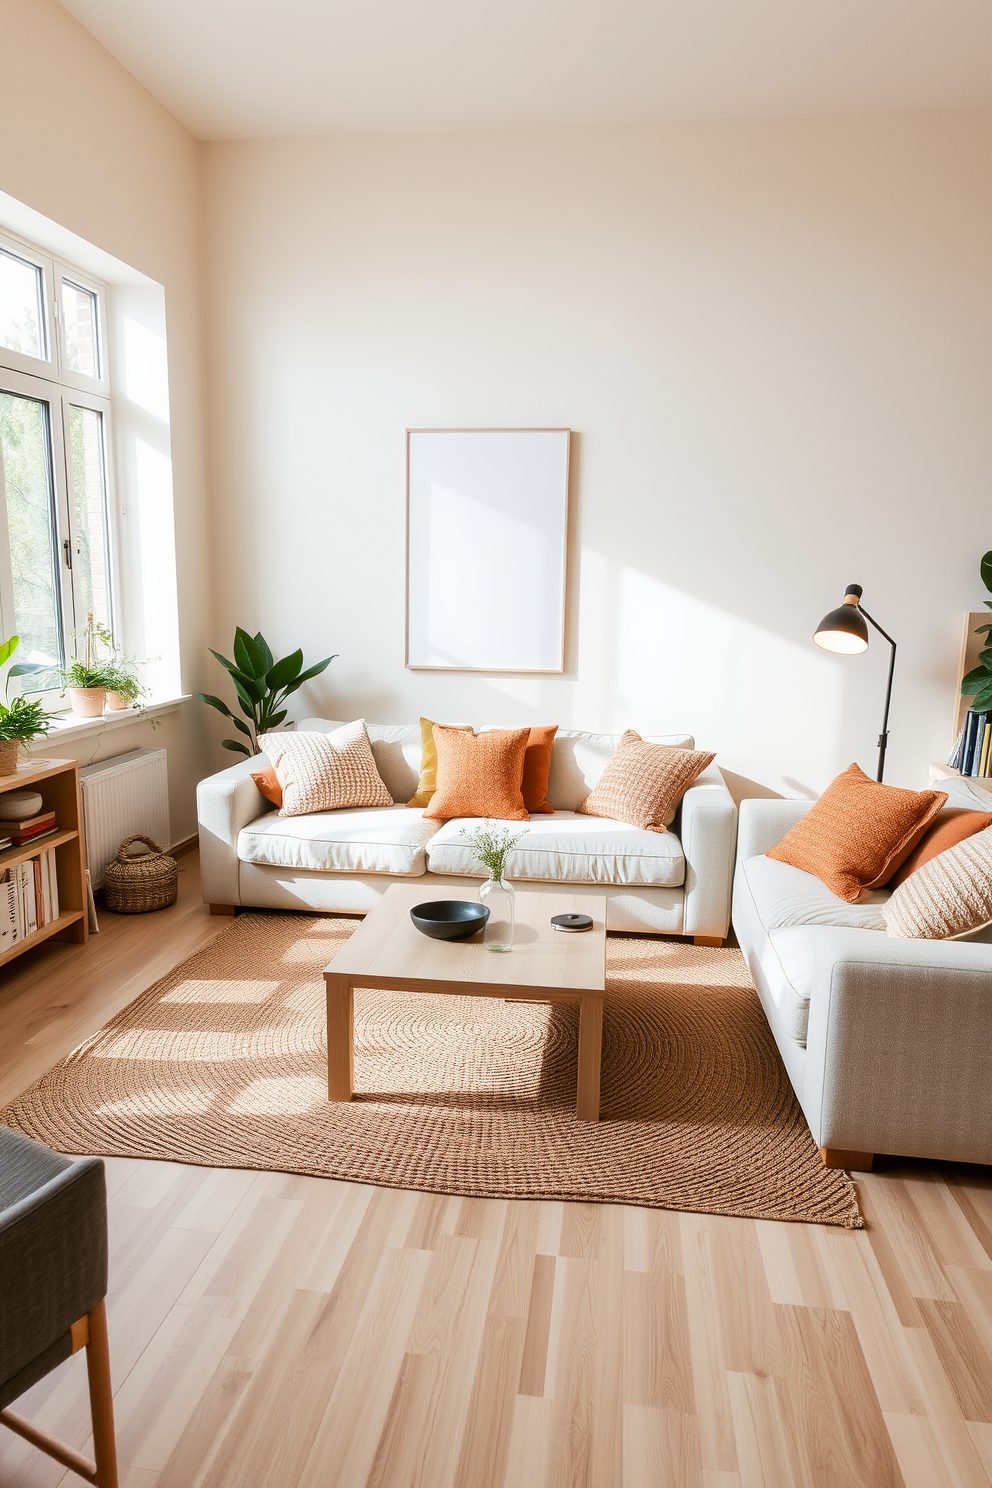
(676, 882)
(887, 1042)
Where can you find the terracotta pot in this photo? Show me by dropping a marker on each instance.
(9, 752)
(116, 703)
(88, 702)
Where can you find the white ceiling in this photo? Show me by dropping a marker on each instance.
(259, 68)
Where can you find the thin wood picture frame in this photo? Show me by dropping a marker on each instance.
(487, 542)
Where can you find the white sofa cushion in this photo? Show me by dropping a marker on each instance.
(381, 839)
(568, 848)
(785, 896)
(578, 759)
(794, 947)
(395, 749)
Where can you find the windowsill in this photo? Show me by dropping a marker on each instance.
(71, 726)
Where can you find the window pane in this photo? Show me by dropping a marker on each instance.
(22, 299)
(79, 312)
(91, 565)
(25, 440)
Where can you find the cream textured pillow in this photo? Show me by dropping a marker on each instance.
(951, 895)
(644, 783)
(324, 772)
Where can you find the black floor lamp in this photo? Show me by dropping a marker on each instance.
(844, 630)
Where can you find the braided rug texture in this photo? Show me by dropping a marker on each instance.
(222, 1063)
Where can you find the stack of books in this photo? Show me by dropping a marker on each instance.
(22, 833)
(971, 753)
(29, 898)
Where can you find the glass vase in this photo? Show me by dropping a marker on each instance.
(497, 895)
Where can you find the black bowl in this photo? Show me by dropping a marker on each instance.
(449, 919)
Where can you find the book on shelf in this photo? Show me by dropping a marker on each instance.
(974, 738)
(29, 898)
(22, 832)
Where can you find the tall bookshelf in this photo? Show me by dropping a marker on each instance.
(57, 782)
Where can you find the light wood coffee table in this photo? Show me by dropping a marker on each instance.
(545, 965)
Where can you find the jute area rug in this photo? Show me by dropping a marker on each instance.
(223, 1063)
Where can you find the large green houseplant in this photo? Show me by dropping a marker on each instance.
(977, 684)
(262, 685)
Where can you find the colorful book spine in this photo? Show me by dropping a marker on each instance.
(9, 928)
(970, 735)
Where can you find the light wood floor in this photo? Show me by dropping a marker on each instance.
(270, 1331)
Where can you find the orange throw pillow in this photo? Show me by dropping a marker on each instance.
(950, 828)
(479, 774)
(644, 783)
(537, 768)
(268, 783)
(858, 833)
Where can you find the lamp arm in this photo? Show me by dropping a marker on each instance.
(883, 737)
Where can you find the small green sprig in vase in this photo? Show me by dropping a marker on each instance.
(491, 846)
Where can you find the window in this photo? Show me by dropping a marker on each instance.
(56, 548)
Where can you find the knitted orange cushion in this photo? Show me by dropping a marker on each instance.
(479, 774)
(858, 833)
(951, 827)
(643, 783)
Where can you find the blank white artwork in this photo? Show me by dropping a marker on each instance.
(487, 514)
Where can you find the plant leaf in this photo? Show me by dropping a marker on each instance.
(313, 671)
(979, 677)
(216, 702)
(242, 726)
(980, 629)
(263, 646)
(249, 705)
(251, 685)
(223, 660)
(8, 648)
(249, 658)
(236, 747)
(986, 568)
(283, 673)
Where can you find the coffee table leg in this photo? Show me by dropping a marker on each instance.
(590, 1058)
(340, 1037)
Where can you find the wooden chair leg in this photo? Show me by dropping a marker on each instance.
(836, 1157)
(222, 909)
(101, 1398)
(707, 940)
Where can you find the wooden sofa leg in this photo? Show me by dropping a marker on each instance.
(89, 1332)
(707, 940)
(101, 1398)
(836, 1157)
(227, 909)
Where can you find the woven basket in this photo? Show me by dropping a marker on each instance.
(136, 885)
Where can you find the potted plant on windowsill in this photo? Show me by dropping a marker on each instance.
(121, 681)
(86, 678)
(20, 721)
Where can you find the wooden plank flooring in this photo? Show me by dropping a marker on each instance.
(279, 1332)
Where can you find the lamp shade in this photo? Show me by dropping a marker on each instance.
(845, 629)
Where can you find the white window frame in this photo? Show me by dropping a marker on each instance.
(48, 380)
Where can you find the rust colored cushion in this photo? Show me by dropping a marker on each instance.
(479, 774)
(268, 783)
(644, 783)
(951, 827)
(858, 833)
(428, 762)
(537, 767)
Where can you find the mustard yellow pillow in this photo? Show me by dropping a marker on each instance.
(427, 784)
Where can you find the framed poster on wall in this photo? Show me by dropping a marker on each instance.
(487, 544)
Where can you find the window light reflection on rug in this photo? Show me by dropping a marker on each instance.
(844, 631)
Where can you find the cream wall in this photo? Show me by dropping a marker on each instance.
(85, 145)
(772, 338)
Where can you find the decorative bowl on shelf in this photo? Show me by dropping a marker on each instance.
(449, 919)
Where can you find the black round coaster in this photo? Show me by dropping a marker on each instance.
(571, 922)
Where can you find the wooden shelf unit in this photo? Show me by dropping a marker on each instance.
(57, 782)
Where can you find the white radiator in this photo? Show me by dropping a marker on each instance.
(123, 795)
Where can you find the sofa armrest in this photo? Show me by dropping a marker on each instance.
(225, 803)
(708, 832)
(764, 823)
(899, 1046)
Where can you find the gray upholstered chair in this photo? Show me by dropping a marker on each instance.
(53, 1285)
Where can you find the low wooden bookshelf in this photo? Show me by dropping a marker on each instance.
(57, 782)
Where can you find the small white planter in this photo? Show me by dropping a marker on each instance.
(88, 702)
